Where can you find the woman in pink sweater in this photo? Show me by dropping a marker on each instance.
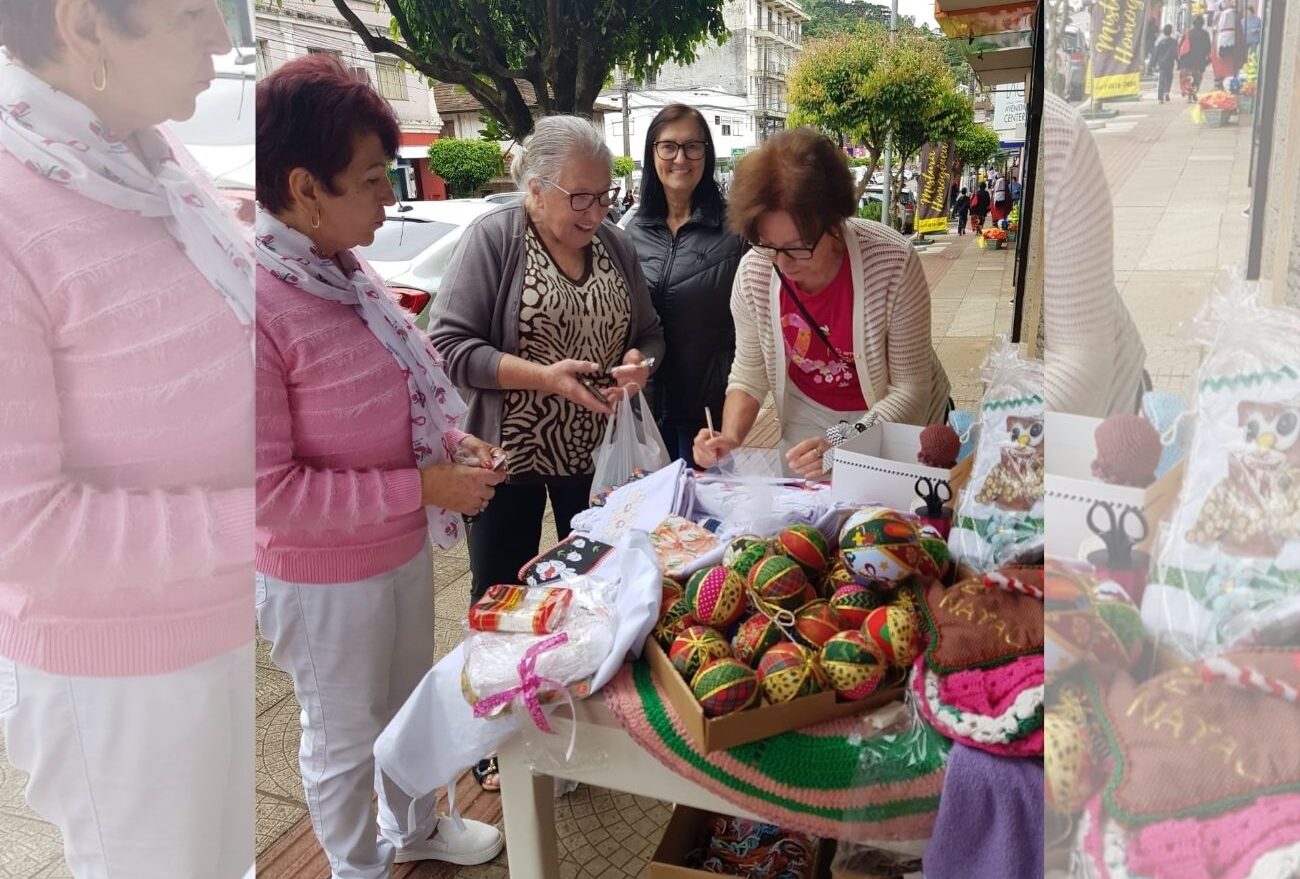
(126, 460)
(356, 436)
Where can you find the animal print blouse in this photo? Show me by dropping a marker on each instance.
(546, 434)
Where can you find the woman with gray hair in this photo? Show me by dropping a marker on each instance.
(542, 300)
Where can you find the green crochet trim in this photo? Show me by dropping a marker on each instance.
(1247, 379)
(995, 405)
(1202, 810)
(789, 759)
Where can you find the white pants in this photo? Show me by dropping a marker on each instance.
(355, 652)
(804, 418)
(146, 777)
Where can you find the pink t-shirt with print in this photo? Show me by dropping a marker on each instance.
(830, 379)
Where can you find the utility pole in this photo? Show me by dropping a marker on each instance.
(627, 131)
(887, 208)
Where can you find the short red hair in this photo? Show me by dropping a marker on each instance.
(310, 113)
(798, 171)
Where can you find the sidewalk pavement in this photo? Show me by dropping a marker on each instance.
(1179, 190)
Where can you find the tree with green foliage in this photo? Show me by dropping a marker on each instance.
(564, 50)
(827, 18)
(623, 167)
(492, 129)
(977, 144)
(859, 88)
(466, 165)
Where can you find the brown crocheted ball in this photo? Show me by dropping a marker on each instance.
(1128, 451)
(939, 446)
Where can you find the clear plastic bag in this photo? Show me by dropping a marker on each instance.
(632, 446)
(506, 670)
(1000, 516)
(1227, 569)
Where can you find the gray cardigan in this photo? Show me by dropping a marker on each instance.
(475, 316)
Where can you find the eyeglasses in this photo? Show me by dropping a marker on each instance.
(798, 253)
(581, 201)
(668, 149)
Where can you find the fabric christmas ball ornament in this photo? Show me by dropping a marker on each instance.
(880, 547)
(936, 554)
(852, 603)
(672, 620)
(807, 546)
(725, 685)
(817, 622)
(1068, 781)
(740, 545)
(780, 581)
(1084, 617)
(748, 557)
(672, 590)
(754, 637)
(694, 648)
(837, 576)
(853, 665)
(893, 628)
(788, 671)
(716, 597)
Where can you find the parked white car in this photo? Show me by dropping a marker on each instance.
(221, 133)
(412, 249)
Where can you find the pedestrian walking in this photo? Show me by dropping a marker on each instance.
(1193, 58)
(1164, 56)
(979, 208)
(1229, 44)
(1001, 205)
(1253, 26)
(961, 208)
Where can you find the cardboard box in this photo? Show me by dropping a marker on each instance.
(879, 465)
(687, 831)
(762, 721)
(1071, 489)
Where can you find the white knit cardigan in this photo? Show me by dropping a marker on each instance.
(898, 369)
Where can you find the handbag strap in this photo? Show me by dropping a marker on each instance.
(803, 310)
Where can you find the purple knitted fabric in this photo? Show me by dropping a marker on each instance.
(990, 823)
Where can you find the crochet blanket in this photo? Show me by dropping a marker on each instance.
(825, 780)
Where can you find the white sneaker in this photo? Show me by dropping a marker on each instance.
(478, 843)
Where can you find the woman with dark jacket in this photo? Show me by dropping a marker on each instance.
(689, 259)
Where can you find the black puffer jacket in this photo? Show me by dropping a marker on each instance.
(690, 285)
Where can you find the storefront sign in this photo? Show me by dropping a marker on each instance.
(1117, 47)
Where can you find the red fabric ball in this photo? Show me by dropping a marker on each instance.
(940, 446)
(1128, 451)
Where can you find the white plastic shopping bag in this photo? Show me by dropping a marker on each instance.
(632, 447)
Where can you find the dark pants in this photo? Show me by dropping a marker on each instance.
(962, 216)
(679, 439)
(1165, 83)
(508, 533)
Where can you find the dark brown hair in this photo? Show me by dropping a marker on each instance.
(800, 172)
(706, 196)
(28, 31)
(309, 114)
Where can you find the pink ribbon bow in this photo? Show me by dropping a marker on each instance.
(531, 686)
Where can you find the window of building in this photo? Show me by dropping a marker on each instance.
(392, 82)
(312, 50)
(726, 131)
(717, 120)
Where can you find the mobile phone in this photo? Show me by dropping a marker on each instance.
(648, 363)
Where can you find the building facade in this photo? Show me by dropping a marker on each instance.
(754, 63)
(303, 27)
(730, 121)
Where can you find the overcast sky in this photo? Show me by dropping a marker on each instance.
(921, 10)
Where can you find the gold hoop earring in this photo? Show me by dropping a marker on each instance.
(100, 82)
(315, 219)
